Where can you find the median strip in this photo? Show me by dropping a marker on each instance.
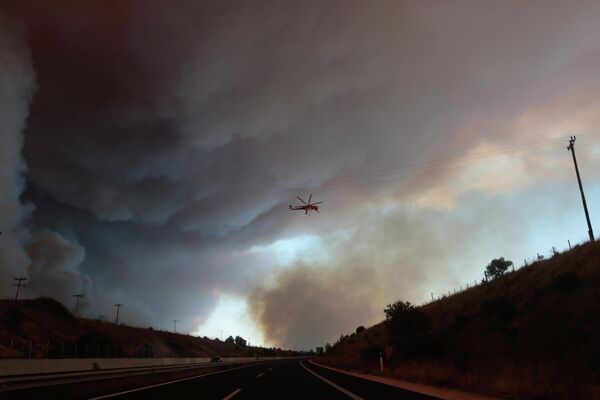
(338, 387)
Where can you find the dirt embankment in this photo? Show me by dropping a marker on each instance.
(531, 333)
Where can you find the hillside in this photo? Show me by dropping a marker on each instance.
(531, 333)
(54, 332)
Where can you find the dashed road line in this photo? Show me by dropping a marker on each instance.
(108, 396)
(232, 394)
(259, 375)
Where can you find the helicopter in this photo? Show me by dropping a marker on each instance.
(308, 207)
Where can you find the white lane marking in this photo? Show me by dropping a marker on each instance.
(341, 389)
(108, 396)
(259, 375)
(232, 394)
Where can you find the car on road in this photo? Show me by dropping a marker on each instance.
(215, 359)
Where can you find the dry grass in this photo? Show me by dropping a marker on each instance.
(532, 333)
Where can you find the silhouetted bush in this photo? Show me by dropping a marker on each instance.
(360, 329)
(240, 341)
(371, 352)
(409, 328)
(497, 267)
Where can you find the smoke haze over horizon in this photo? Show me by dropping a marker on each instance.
(149, 152)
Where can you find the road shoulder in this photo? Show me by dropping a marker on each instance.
(441, 393)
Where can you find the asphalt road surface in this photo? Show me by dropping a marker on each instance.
(289, 379)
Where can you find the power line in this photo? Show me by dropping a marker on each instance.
(393, 173)
(405, 167)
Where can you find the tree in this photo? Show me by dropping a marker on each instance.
(408, 327)
(327, 348)
(240, 341)
(230, 340)
(360, 329)
(497, 267)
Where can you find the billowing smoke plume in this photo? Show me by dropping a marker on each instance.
(48, 260)
(149, 151)
(17, 84)
(400, 253)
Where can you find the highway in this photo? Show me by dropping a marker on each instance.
(289, 379)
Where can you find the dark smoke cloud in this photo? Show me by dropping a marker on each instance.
(48, 260)
(16, 88)
(164, 142)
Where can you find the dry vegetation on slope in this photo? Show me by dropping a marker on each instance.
(532, 333)
(53, 331)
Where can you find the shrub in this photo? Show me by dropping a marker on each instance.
(371, 352)
(360, 329)
(497, 267)
(408, 327)
(240, 341)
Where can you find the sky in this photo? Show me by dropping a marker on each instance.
(149, 151)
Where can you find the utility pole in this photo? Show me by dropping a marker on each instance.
(77, 297)
(571, 147)
(19, 285)
(118, 308)
(174, 326)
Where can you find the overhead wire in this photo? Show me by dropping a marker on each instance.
(396, 173)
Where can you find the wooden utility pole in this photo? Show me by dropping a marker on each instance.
(77, 297)
(19, 285)
(118, 308)
(571, 147)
